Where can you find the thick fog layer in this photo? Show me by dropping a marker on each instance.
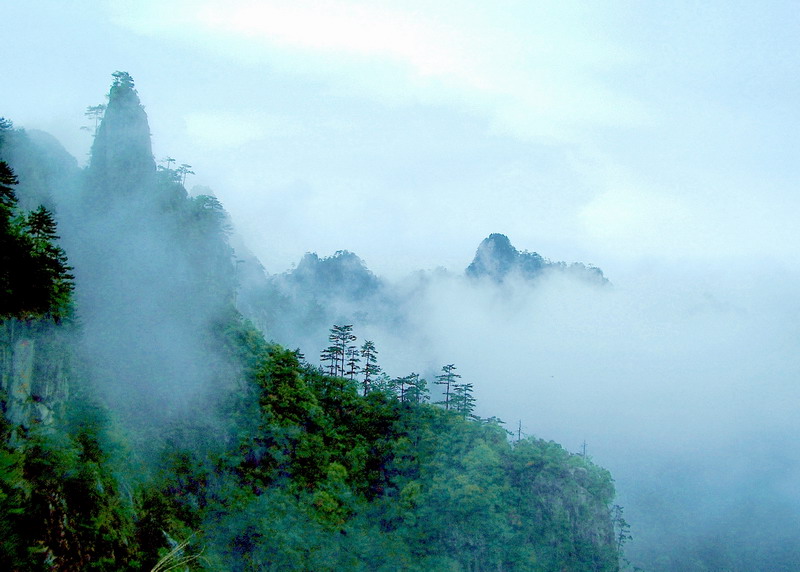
(679, 379)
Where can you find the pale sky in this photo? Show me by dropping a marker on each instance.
(615, 133)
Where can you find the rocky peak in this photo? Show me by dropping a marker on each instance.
(496, 258)
(122, 156)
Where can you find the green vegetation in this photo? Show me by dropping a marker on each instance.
(35, 279)
(272, 463)
(327, 479)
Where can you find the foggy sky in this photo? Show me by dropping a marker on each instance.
(656, 142)
(612, 133)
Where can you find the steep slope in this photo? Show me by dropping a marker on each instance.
(154, 273)
(36, 284)
(122, 165)
(47, 173)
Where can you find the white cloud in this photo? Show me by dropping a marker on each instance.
(224, 129)
(579, 81)
(534, 72)
(353, 28)
(633, 221)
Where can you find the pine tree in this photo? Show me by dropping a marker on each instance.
(52, 261)
(34, 274)
(448, 379)
(399, 386)
(417, 391)
(352, 362)
(371, 368)
(183, 171)
(122, 79)
(11, 246)
(94, 113)
(622, 530)
(336, 354)
(329, 360)
(382, 382)
(8, 198)
(463, 402)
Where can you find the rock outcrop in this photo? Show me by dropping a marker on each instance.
(496, 259)
(35, 370)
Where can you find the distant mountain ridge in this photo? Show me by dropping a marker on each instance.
(342, 270)
(346, 274)
(496, 258)
(340, 288)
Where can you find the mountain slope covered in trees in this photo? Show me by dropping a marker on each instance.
(147, 424)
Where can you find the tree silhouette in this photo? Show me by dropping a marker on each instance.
(329, 360)
(8, 198)
(122, 79)
(351, 353)
(462, 400)
(95, 113)
(183, 171)
(34, 276)
(336, 354)
(371, 368)
(399, 385)
(447, 378)
(622, 529)
(417, 391)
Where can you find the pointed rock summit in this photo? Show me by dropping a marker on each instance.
(122, 156)
(496, 258)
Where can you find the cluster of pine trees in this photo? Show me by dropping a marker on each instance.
(343, 358)
(281, 465)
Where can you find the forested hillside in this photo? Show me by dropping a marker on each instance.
(147, 425)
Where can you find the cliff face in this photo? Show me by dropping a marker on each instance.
(122, 162)
(35, 370)
(569, 501)
(532, 504)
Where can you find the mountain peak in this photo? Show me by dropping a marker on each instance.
(343, 270)
(122, 155)
(496, 258)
